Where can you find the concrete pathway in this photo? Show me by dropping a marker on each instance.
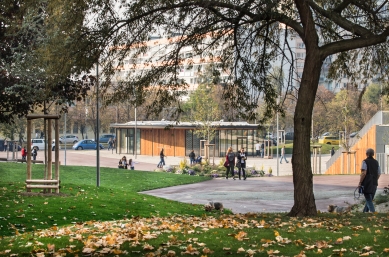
(259, 194)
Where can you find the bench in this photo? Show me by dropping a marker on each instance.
(43, 183)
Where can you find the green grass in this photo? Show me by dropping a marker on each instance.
(325, 149)
(116, 198)
(116, 219)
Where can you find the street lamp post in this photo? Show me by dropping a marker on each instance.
(97, 128)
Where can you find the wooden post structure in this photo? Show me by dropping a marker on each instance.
(214, 152)
(316, 159)
(268, 149)
(48, 182)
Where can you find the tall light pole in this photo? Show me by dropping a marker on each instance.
(97, 128)
(135, 132)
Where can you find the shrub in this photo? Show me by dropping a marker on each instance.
(183, 164)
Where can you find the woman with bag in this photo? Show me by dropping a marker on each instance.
(230, 161)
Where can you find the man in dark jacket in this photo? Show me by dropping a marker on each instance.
(370, 173)
(192, 157)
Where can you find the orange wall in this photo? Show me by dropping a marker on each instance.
(172, 140)
(366, 141)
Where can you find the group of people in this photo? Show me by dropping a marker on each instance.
(34, 153)
(124, 164)
(238, 160)
(193, 159)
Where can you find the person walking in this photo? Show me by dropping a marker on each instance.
(162, 159)
(230, 158)
(332, 151)
(110, 143)
(192, 157)
(5, 145)
(258, 149)
(241, 156)
(283, 155)
(370, 173)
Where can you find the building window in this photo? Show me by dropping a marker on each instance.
(301, 45)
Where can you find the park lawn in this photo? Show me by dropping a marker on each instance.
(81, 200)
(115, 220)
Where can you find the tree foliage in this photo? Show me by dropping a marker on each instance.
(37, 67)
(244, 37)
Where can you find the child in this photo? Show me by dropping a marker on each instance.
(120, 166)
(131, 164)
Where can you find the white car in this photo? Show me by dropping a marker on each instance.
(40, 144)
(72, 139)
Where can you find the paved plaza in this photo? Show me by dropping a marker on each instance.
(259, 194)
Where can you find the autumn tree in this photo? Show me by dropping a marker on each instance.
(36, 70)
(245, 36)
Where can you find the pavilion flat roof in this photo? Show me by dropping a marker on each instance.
(184, 125)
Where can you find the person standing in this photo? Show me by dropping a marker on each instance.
(332, 151)
(283, 155)
(34, 153)
(241, 156)
(257, 149)
(370, 173)
(131, 164)
(230, 158)
(162, 159)
(24, 154)
(5, 145)
(262, 149)
(192, 157)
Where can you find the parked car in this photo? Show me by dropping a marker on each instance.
(86, 144)
(105, 138)
(354, 134)
(329, 140)
(289, 135)
(40, 144)
(325, 134)
(10, 146)
(68, 139)
(269, 135)
(273, 142)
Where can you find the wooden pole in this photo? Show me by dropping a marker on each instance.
(49, 152)
(57, 154)
(28, 147)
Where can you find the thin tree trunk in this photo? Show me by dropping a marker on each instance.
(304, 199)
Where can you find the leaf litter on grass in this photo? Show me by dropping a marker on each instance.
(110, 237)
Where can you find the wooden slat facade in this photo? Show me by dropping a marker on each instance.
(350, 163)
(172, 140)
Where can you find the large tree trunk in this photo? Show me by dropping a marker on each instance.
(304, 200)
